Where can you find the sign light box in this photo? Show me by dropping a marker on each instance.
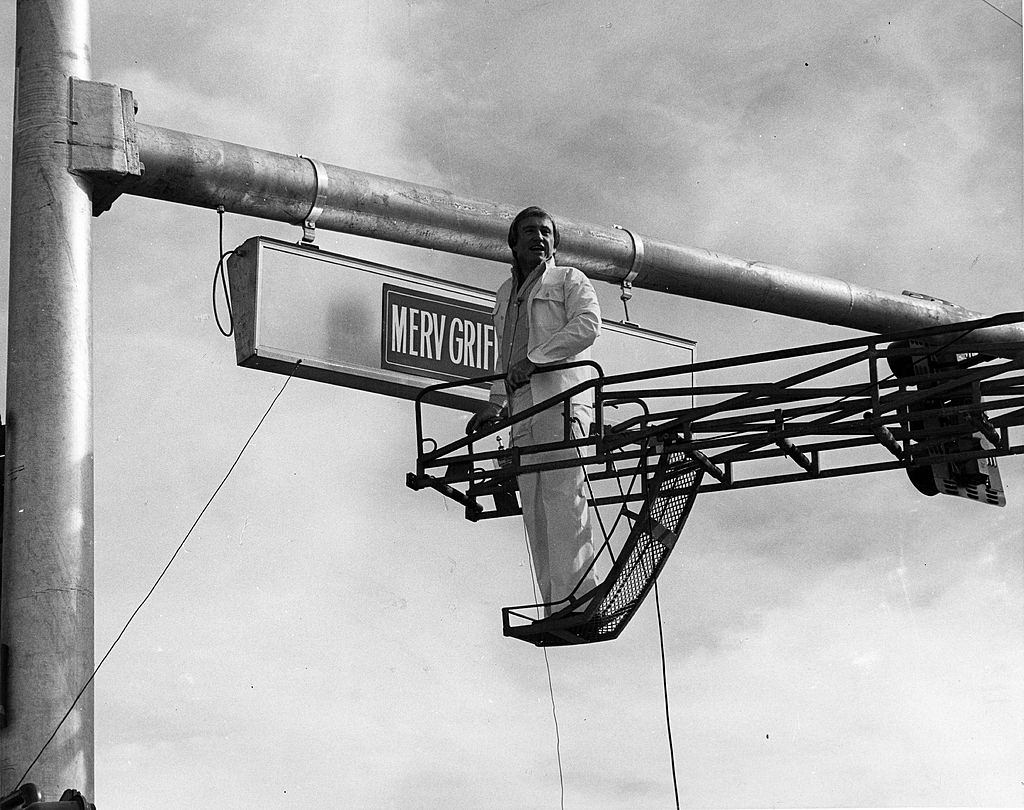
(394, 332)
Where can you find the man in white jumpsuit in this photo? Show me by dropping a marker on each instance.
(545, 315)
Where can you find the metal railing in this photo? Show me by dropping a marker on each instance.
(805, 418)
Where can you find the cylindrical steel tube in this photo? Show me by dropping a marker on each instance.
(201, 171)
(47, 587)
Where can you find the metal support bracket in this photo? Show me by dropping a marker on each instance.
(638, 257)
(884, 436)
(981, 424)
(25, 795)
(102, 138)
(626, 284)
(809, 465)
(724, 476)
(102, 132)
(319, 201)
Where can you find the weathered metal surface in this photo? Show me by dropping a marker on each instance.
(200, 171)
(47, 590)
(102, 135)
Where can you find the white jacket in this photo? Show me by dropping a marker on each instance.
(565, 320)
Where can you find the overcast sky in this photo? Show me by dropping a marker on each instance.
(330, 636)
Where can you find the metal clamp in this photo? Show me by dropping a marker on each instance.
(626, 284)
(315, 210)
(638, 256)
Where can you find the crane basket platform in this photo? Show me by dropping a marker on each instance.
(929, 401)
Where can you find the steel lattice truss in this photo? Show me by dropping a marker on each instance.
(933, 402)
(917, 399)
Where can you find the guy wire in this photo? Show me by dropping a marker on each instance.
(145, 599)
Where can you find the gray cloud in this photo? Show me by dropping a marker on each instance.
(842, 143)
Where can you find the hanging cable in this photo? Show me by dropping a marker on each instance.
(222, 274)
(657, 603)
(551, 687)
(558, 741)
(174, 556)
(664, 681)
(664, 668)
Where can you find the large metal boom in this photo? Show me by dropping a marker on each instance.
(205, 172)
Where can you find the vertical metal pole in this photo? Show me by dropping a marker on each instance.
(46, 602)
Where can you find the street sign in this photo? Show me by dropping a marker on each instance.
(429, 335)
(377, 328)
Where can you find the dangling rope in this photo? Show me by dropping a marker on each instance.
(661, 636)
(624, 495)
(664, 681)
(547, 666)
(661, 643)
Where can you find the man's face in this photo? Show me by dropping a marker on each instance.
(535, 242)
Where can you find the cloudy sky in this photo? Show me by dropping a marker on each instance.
(329, 635)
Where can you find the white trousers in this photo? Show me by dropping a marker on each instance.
(555, 508)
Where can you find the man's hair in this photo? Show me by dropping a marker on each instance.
(532, 211)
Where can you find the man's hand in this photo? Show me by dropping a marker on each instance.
(482, 418)
(519, 374)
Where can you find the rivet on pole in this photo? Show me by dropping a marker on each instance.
(317, 208)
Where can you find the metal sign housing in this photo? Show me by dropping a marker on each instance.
(363, 325)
